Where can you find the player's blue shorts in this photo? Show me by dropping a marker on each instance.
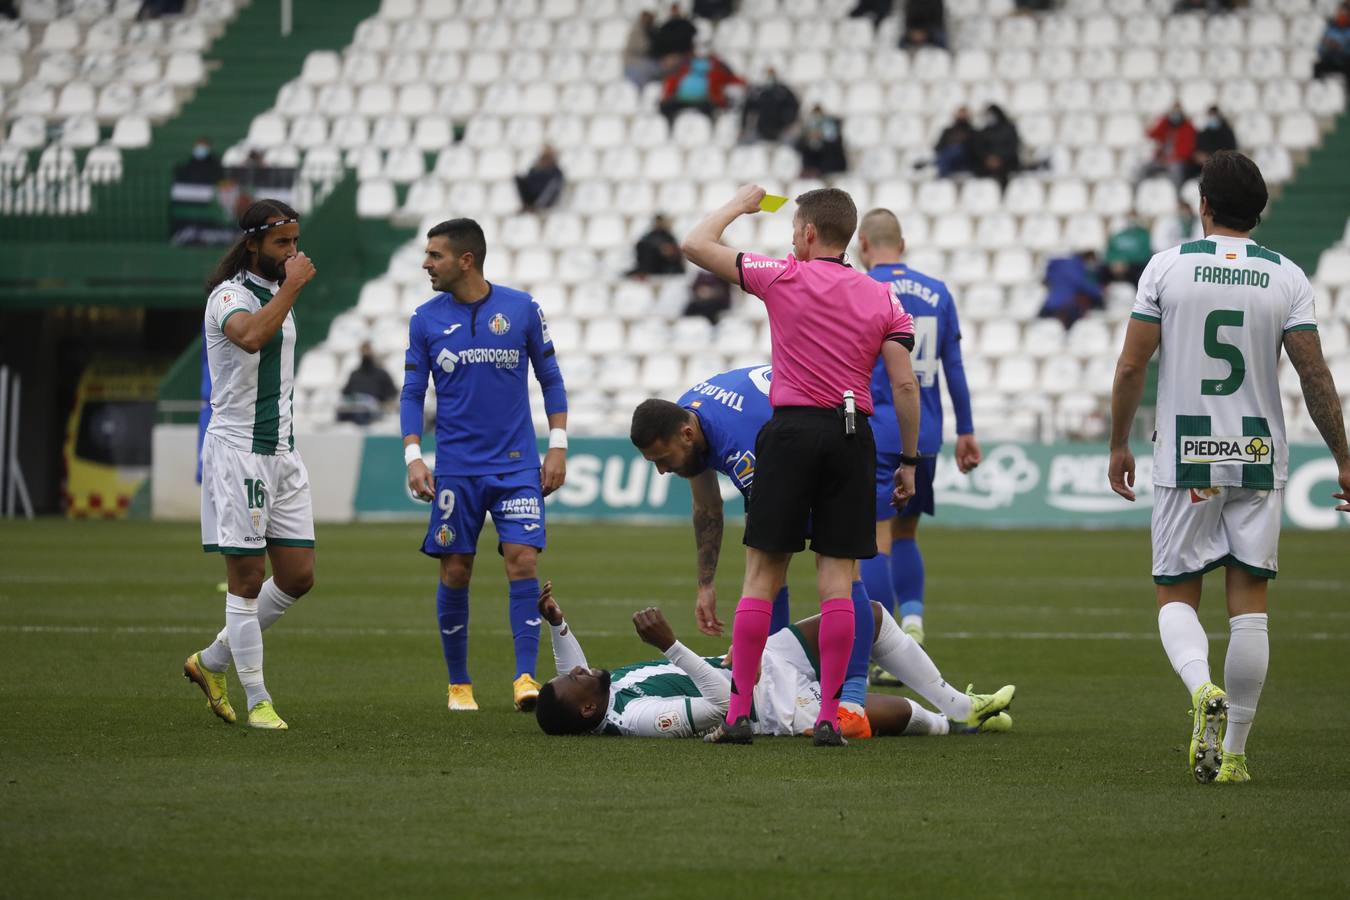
(463, 502)
(921, 502)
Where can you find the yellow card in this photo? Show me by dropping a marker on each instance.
(772, 203)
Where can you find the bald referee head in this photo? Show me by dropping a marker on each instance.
(815, 459)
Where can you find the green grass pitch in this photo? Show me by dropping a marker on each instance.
(117, 782)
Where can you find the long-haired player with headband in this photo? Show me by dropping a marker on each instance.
(255, 490)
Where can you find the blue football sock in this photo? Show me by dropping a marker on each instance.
(452, 613)
(876, 574)
(907, 576)
(855, 677)
(525, 619)
(782, 615)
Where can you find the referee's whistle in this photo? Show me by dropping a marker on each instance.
(850, 414)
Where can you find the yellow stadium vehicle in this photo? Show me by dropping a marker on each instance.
(108, 435)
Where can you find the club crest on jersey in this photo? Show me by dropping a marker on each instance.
(445, 536)
(256, 516)
(499, 324)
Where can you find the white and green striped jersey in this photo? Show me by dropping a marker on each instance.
(252, 394)
(683, 696)
(1224, 305)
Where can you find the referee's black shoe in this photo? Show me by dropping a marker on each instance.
(736, 733)
(827, 735)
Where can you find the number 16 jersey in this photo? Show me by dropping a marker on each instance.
(1224, 305)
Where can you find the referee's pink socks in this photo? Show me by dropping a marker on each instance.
(749, 631)
(836, 643)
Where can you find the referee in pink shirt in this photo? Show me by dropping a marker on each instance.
(815, 460)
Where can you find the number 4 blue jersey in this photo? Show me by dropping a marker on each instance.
(732, 407)
(937, 338)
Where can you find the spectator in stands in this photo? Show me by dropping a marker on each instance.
(771, 108)
(675, 36)
(1127, 252)
(925, 25)
(1175, 228)
(1204, 6)
(1073, 288)
(153, 9)
(1215, 135)
(1173, 138)
(876, 10)
(639, 64)
(657, 252)
(953, 150)
(709, 296)
(700, 83)
(203, 167)
(541, 186)
(8, 10)
(821, 145)
(714, 10)
(1333, 51)
(369, 390)
(996, 150)
(1034, 6)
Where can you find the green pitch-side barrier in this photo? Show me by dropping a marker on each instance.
(1017, 486)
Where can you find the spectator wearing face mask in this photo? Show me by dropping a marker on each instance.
(953, 152)
(700, 83)
(203, 167)
(1173, 138)
(1333, 51)
(771, 108)
(368, 392)
(1215, 134)
(996, 151)
(821, 145)
(925, 25)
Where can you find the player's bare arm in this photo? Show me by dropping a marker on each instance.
(250, 332)
(554, 471)
(420, 482)
(708, 524)
(905, 390)
(1141, 341)
(703, 245)
(653, 628)
(1324, 405)
(968, 454)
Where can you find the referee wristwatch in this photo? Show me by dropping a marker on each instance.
(910, 460)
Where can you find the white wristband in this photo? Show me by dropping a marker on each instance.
(410, 453)
(557, 439)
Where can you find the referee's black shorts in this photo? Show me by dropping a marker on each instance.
(813, 480)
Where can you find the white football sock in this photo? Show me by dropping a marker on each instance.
(1187, 646)
(272, 605)
(901, 655)
(246, 646)
(1244, 672)
(911, 619)
(923, 722)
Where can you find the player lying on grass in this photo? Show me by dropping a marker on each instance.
(686, 695)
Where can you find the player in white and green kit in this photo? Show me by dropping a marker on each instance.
(255, 490)
(686, 695)
(1221, 309)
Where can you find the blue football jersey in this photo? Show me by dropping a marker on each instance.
(937, 338)
(478, 355)
(732, 407)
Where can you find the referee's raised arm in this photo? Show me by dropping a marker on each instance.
(703, 245)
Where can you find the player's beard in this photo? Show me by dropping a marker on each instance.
(272, 269)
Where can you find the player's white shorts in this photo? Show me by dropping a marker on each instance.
(250, 500)
(787, 698)
(1199, 529)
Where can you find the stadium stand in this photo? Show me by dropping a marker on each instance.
(550, 71)
(434, 105)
